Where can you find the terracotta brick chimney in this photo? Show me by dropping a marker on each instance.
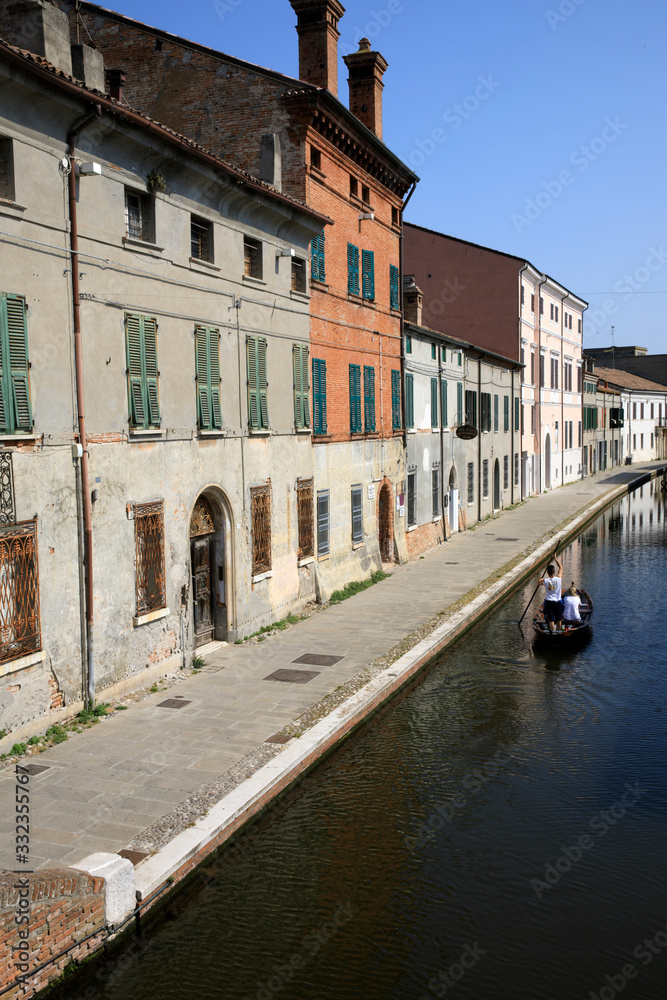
(413, 301)
(366, 69)
(318, 32)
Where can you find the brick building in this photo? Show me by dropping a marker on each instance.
(297, 135)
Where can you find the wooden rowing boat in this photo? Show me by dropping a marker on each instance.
(569, 629)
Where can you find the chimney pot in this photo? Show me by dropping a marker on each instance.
(366, 69)
(317, 27)
(42, 29)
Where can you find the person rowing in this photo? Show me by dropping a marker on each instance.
(552, 581)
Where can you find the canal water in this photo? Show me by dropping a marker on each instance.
(498, 831)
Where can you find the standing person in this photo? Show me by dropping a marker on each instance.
(571, 602)
(553, 608)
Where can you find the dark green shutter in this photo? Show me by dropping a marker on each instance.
(262, 381)
(214, 376)
(506, 413)
(516, 414)
(434, 402)
(394, 300)
(301, 401)
(368, 274)
(150, 354)
(319, 396)
(142, 371)
(395, 399)
(496, 414)
(409, 401)
(355, 399)
(459, 403)
(207, 369)
(15, 409)
(253, 383)
(443, 404)
(317, 258)
(135, 371)
(352, 269)
(369, 399)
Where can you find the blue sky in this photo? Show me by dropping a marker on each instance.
(537, 128)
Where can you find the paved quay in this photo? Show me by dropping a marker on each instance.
(144, 777)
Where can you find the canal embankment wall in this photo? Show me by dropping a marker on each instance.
(79, 911)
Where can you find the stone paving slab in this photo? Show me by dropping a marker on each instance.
(106, 785)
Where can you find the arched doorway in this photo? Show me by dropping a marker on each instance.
(453, 500)
(547, 462)
(210, 567)
(496, 485)
(385, 533)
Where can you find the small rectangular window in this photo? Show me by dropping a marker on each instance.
(315, 158)
(443, 404)
(516, 415)
(506, 413)
(252, 258)
(298, 276)
(412, 499)
(357, 515)
(260, 509)
(523, 294)
(322, 522)
(435, 493)
(149, 556)
(354, 187)
(471, 482)
(556, 313)
(304, 503)
(409, 401)
(395, 220)
(408, 345)
(138, 215)
(201, 239)
(6, 169)
(433, 353)
(541, 306)
(532, 302)
(365, 194)
(551, 310)
(578, 326)
(471, 408)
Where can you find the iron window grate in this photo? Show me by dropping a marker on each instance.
(304, 501)
(260, 503)
(149, 534)
(20, 628)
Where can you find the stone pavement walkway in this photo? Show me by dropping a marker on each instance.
(143, 775)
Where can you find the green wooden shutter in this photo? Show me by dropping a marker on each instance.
(395, 399)
(409, 401)
(319, 396)
(135, 371)
(214, 375)
(368, 274)
(253, 385)
(369, 399)
(352, 269)
(496, 414)
(516, 414)
(15, 409)
(394, 300)
(317, 258)
(150, 361)
(203, 380)
(434, 402)
(355, 399)
(443, 403)
(506, 413)
(459, 403)
(262, 382)
(301, 402)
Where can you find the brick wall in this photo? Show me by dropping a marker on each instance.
(57, 910)
(424, 537)
(165, 648)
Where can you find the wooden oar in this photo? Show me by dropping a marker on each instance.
(535, 591)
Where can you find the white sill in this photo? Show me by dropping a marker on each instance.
(306, 562)
(218, 433)
(248, 278)
(357, 545)
(412, 527)
(136, 432)
(262, 576)
(259, 432)
(11, 208)
(438, 518)
(152, 616)
(132, 243)
(412, 430)
(302, 430)
(324, 557)
(22, 661)
(299, 296)
(31, 436)
(206, 264)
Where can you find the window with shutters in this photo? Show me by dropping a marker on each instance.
(518, 414)
(435, 493)
(443, 404)
(355, 399)
(394, 216)
(352, 269)
(485, 414)
(354, 187)
(368, 275)
(323, 522)
(496, 423)
(506, 472)
(6, 168)
(459, 403)
(304, 503)
(138, 216)
(541, 370)
(369, 399)
(20, 627)
(207, 375)
(15, 408)
(252, 258)
(201, 239)
(258, 410)
(522, 374)
(471, 407)
(410, 400)
(471, 482)
(506, 412)
(434, 403)
(298, 276)
(485, 477)
(260, 510)
(300, 365)
(142, 371)
(408, 345)
(395, 399)
(319, 396)
(365, 194)
(412, 499)
(394, 298)
(516, 468)
(532, 302)
(149, 540)
(357, 515)
(317, 258)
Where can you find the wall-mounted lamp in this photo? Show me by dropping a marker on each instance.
(89, 169)
(366, 215)
(285, 253)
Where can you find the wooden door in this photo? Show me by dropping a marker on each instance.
(202, 596)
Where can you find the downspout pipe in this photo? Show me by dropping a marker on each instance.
(80, 406)
(538, 422)
(479, 436)
(402, 305)
(439, 348)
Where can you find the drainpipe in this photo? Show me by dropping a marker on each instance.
(402, 305)
(479, 437)
(83, 441)
(538, 422)
(443, 509)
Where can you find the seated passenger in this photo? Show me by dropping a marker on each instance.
(571, 602)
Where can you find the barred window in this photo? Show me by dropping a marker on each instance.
(471, 482)
(304, 503)
(260, 507)
(20, 632)
(149, 538)
(252, 257)
(357, 515)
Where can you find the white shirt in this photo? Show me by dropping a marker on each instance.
(571, 608)
(552, 588)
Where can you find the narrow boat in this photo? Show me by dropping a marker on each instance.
(569, 629)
